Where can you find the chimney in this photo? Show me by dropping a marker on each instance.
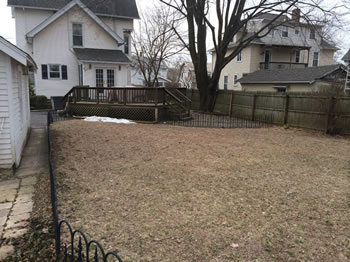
(296, 15)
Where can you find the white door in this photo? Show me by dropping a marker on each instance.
(105, 77)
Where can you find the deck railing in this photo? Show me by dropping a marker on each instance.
(124, 95)
(281, 65)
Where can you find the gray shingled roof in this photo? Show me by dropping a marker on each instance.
(119, 8)
(101, 55)
(346, 57)
(297, 75)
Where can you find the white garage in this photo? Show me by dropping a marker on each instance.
(15, 65)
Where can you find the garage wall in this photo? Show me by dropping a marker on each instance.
(20, 113)
(6, 156)
(14, 111)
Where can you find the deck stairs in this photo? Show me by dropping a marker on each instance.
(179, 105)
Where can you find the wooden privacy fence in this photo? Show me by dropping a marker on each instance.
(329, 114)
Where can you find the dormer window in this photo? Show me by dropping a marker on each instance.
(285, 31)
(77, 34)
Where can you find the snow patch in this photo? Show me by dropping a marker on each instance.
(108, 120)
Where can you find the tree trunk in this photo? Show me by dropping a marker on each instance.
(207, 96)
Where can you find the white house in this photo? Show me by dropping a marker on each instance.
(76, 42)
(15, 65)
(137, 78)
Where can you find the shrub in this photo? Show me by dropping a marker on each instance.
(39, 102)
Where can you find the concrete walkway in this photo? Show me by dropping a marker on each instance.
(16, 194)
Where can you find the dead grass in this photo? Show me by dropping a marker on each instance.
(165, 193)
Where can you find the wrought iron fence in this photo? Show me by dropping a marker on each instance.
(66, 250)
(197, 119)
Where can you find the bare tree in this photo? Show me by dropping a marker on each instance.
(155, 42)
(224, 19)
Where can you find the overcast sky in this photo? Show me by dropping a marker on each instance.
(7, 24)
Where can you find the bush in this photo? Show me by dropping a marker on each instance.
(39, 102)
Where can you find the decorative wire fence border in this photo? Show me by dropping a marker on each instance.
(207, 120)
(79, 253)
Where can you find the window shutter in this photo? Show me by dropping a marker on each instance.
(64, 72)
(44, 73)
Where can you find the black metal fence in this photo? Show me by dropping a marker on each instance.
(71, 245)
(197, 119)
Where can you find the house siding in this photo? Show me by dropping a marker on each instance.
(14, 111)
(20, 108)
(6, 156)
(58, 36)
(53, 45)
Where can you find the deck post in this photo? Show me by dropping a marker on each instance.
(156, 114)
(124, 96)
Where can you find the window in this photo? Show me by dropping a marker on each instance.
(225, 82)
(296, 30)
(281, 89)
(315, 58)
(235, 78)
(77, 35)
(54, 71)
(271, 30)
(297, 56)
(126, 44)
(312, 34)
(285, 31)
(239, 57)
(110, 77)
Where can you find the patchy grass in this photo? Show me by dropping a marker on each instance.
(165, 193)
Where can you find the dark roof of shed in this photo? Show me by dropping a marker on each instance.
(118, 8)
(346, 57)
(296, 75)
(101, 55)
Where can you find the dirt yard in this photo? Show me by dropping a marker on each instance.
(165, 193)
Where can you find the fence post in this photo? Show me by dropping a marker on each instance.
(230, 105)
(285, 111)
(253, 107)
(330, 116)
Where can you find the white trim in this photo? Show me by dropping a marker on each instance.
(65, 9)
(55, 9)
(13, 51)
(48, 72)
(104, 62)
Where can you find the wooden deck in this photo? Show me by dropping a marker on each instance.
(139, 104)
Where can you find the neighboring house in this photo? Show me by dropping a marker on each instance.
(310, 79)
(138, 79)
(346, 59)
(76, 42)
(187, 76)
(290, 44)
(15, 66)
